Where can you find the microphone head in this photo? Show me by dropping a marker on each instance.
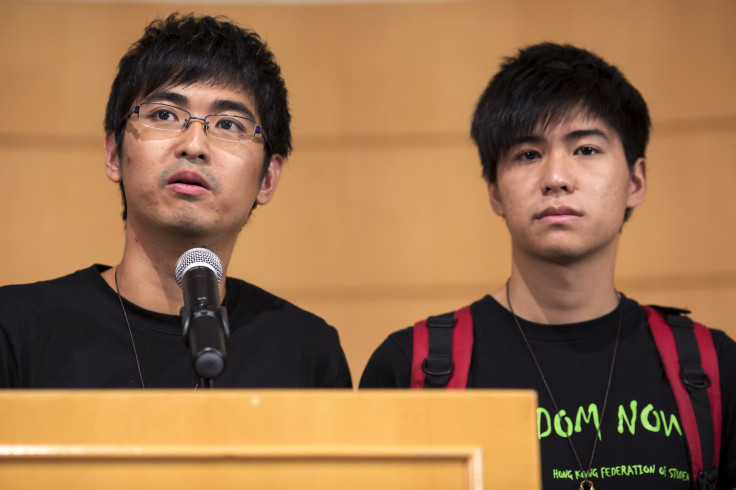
(197, 257)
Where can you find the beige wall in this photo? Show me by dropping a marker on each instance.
(382, 217)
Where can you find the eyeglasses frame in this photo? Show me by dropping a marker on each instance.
(258, 130)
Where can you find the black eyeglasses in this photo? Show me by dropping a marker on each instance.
(226, 127)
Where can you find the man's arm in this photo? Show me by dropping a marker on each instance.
(8, 360)
(726, 351)
(390, 364)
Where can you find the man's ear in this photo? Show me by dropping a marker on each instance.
(112, 158)
(270, 180)
(637, 184)
(495, 198)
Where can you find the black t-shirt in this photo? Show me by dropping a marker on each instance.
(70, 332)
(641, 442)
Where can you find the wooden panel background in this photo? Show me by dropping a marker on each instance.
(382, 217)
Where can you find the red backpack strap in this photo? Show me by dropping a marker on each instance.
(442, 349)
(690, 362)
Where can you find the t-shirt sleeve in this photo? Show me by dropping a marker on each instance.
(390, 364)
(8, 371)
(726, 351)
(343, 378)
(8, 354)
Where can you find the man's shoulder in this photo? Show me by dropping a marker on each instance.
(404, 337)
(725, 347)
(719, 336)
(26, 309)
(244, 298)
(484, 305)
(59, 286)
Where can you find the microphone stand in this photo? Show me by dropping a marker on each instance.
(205, 332)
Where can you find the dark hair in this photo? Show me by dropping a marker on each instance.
(184, 49)
(547, 82)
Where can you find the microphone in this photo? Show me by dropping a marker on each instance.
(204, 322)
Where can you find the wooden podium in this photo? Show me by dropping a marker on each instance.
(296, 439)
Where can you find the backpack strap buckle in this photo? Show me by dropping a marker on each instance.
(438, 366)
(694, 377)
(707, 478)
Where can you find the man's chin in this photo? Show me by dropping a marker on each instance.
(563, 258)
(570, 254)
(196, 228)
(562, 254)
(188, 228)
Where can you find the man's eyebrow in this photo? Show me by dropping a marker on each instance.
(167, 96)
(527, 138)
(571, 136)
(228, 105)
(584, 133)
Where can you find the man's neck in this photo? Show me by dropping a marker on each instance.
(145, 275)
(544, 292)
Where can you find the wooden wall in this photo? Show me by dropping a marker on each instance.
(382, 217)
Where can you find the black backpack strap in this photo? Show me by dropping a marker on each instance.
(442, 350)
(688, 354)
(438, 365)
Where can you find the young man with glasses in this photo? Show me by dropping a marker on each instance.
(197, 128)
(562, 138)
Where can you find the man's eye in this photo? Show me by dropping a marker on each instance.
(164, 115)
(528, 155)
(587, 151)
(230, 125)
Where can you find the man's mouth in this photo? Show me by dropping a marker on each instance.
(188, 182)
(558, 214)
